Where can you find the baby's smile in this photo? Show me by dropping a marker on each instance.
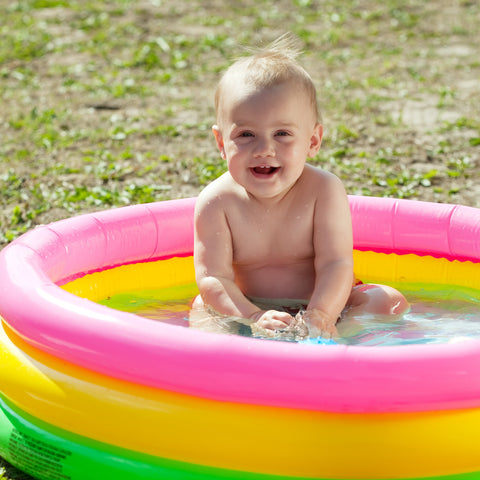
(264, 170)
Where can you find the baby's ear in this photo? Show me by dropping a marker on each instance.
(219, 139)
(316, 140)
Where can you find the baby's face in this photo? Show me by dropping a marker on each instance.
(266, 137)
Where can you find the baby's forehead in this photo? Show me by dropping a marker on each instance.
(250, 95)
(281, 104)
(241, 90)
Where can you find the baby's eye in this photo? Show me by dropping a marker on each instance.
(246, 134)
(282, 133)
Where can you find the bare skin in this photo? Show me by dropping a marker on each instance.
(274, 226)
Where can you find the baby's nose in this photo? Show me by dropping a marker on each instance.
(264, 148)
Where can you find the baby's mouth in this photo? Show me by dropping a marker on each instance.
(264, 170)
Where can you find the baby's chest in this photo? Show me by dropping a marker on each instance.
(273, 243)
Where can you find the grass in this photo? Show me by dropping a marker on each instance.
(109, 103)
(8, 472)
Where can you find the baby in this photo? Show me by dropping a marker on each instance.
(273, 235)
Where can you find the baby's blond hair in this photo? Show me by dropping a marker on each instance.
(269, 66)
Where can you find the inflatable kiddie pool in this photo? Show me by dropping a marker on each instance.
(90, 392)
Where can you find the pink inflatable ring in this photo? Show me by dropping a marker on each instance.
(433, 387)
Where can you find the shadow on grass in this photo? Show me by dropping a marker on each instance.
(12, 473)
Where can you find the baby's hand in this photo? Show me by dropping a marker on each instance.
(271, 319)
(319, 325)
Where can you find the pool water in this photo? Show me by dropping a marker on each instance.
(168, 305)
(435, 315)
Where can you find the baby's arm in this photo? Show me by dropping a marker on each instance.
(213, 258)
(333, 246)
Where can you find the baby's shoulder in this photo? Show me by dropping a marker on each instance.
(315, 177)
(218, 193)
